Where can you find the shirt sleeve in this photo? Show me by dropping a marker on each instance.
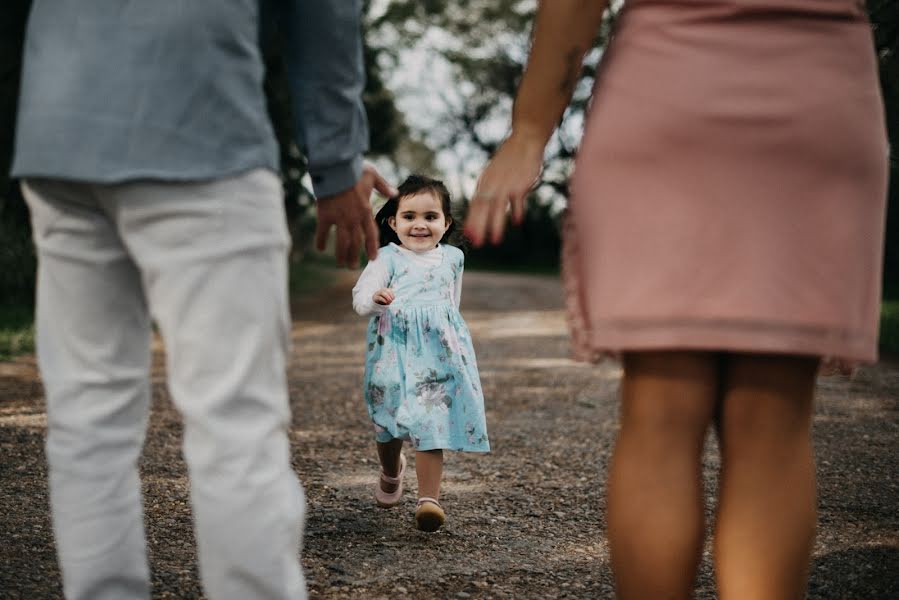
(374, 277)
(326, 72)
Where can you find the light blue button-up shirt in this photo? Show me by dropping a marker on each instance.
(120, 90)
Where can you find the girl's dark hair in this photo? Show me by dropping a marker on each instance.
(416, 184)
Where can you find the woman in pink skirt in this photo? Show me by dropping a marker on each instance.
(725, 233)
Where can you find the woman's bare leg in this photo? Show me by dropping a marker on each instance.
(766, 513)
(655, 502)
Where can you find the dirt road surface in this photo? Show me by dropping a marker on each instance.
(524, 522)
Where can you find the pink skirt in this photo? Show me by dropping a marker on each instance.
(730, 189)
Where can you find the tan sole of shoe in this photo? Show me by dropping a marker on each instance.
(429, 518)
(387, 504)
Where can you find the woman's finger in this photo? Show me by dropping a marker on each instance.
(498, 210)
(518, 206)
(476, 220)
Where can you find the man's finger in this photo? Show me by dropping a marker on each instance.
(342, 243)
(384, 188)
(355, 245)
(321, 234)
(370, 230)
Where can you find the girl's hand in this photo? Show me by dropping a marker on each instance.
(508, 178)
(383, 296)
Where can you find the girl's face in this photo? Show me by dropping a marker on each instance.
(420, 222)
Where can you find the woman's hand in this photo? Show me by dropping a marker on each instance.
(563, 32)
(383, 296)
(508, 178)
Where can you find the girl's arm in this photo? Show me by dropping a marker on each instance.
(374, 277)
(457, 296)
(563, 32)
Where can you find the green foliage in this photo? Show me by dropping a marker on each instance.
(490, 40)
(18, 263)
(16, 331)
(486, 44)
(891, 245)
(17, 259)
(489, 45)
(884, 16)
(12, 37)
(387, 126)
(889, 326)
(314, 272)
(532, 247)
(389, 135)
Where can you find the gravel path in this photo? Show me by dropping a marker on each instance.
(524, 522)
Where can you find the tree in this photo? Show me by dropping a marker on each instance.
(884, 16)
(17, 257)
(485, 44)
(390, 137)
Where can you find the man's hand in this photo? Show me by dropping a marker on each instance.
(350, 211)
(383, 296)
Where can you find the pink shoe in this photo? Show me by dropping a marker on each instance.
(384, 499)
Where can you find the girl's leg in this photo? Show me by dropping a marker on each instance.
(389, 456)
(429, 468)
(766, 513)
(655, 508)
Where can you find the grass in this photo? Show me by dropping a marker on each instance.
(17, 323)
(314, 272)
(889, 324)
(16, 331)
(318, 270)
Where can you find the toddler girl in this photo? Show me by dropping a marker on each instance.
(421, 380)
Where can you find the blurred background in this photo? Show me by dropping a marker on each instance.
(441, 77)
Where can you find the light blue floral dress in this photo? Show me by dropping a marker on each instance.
(421, 378)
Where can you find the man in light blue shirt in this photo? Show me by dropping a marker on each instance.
(148, 163)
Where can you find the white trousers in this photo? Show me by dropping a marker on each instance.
(208, 262)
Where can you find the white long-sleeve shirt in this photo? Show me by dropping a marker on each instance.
(376, 276)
